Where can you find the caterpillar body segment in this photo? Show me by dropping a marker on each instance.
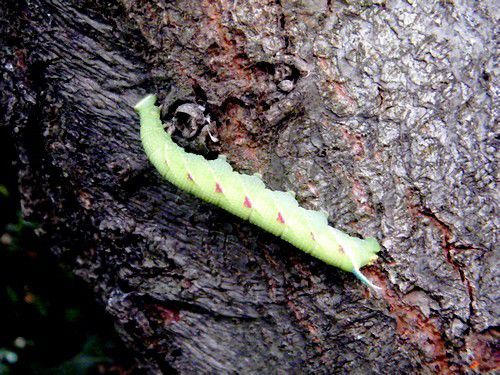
(247, 197)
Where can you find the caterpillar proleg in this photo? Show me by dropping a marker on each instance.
(247, 197)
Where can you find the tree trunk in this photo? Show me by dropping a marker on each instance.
(380, 112)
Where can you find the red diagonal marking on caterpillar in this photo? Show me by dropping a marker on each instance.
(218, 188)
(312, 236)
(280, 218)
(247, 203)
(190, 177)
(341, 249)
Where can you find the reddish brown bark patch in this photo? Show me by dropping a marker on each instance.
(169, 316)
(485, 350)
(356, 142)
(422, 332)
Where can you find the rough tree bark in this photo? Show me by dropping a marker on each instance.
(380, 112)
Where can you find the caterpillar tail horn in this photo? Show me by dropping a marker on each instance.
(365, 280)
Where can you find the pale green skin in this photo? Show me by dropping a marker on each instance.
(247, 197)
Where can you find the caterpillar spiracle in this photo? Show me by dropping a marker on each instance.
(246, 196)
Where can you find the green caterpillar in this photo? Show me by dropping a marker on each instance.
(247, 197)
